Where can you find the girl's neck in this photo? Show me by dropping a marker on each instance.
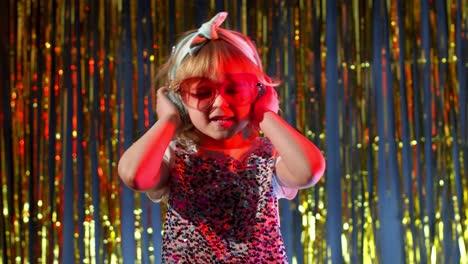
(238, 141)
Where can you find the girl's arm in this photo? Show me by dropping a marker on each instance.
(141, 167)
(301, 164)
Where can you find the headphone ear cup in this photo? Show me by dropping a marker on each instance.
(261, 90)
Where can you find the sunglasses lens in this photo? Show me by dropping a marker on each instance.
(241, 90)
(197, 92)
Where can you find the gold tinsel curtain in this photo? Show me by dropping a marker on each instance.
(379, 85)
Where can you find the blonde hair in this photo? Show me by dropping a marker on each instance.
(212, 59)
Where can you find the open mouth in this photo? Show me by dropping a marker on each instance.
(222, 118)
(223, 121)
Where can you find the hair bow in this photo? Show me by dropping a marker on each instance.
(210, 30)
(207, 31)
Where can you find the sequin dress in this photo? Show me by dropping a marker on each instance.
(223, 209)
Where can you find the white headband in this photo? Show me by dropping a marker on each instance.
(191, 44)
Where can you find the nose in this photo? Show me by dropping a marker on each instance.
(220, 101)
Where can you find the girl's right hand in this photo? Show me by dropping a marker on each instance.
(165, 109)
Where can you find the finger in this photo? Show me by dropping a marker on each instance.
(271, 91)
(162, 91)
(162, 95)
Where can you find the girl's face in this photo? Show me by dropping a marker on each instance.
(220, 109)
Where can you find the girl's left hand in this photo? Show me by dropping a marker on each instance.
(268, 102)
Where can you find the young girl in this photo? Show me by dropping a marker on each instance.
(206, 158)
